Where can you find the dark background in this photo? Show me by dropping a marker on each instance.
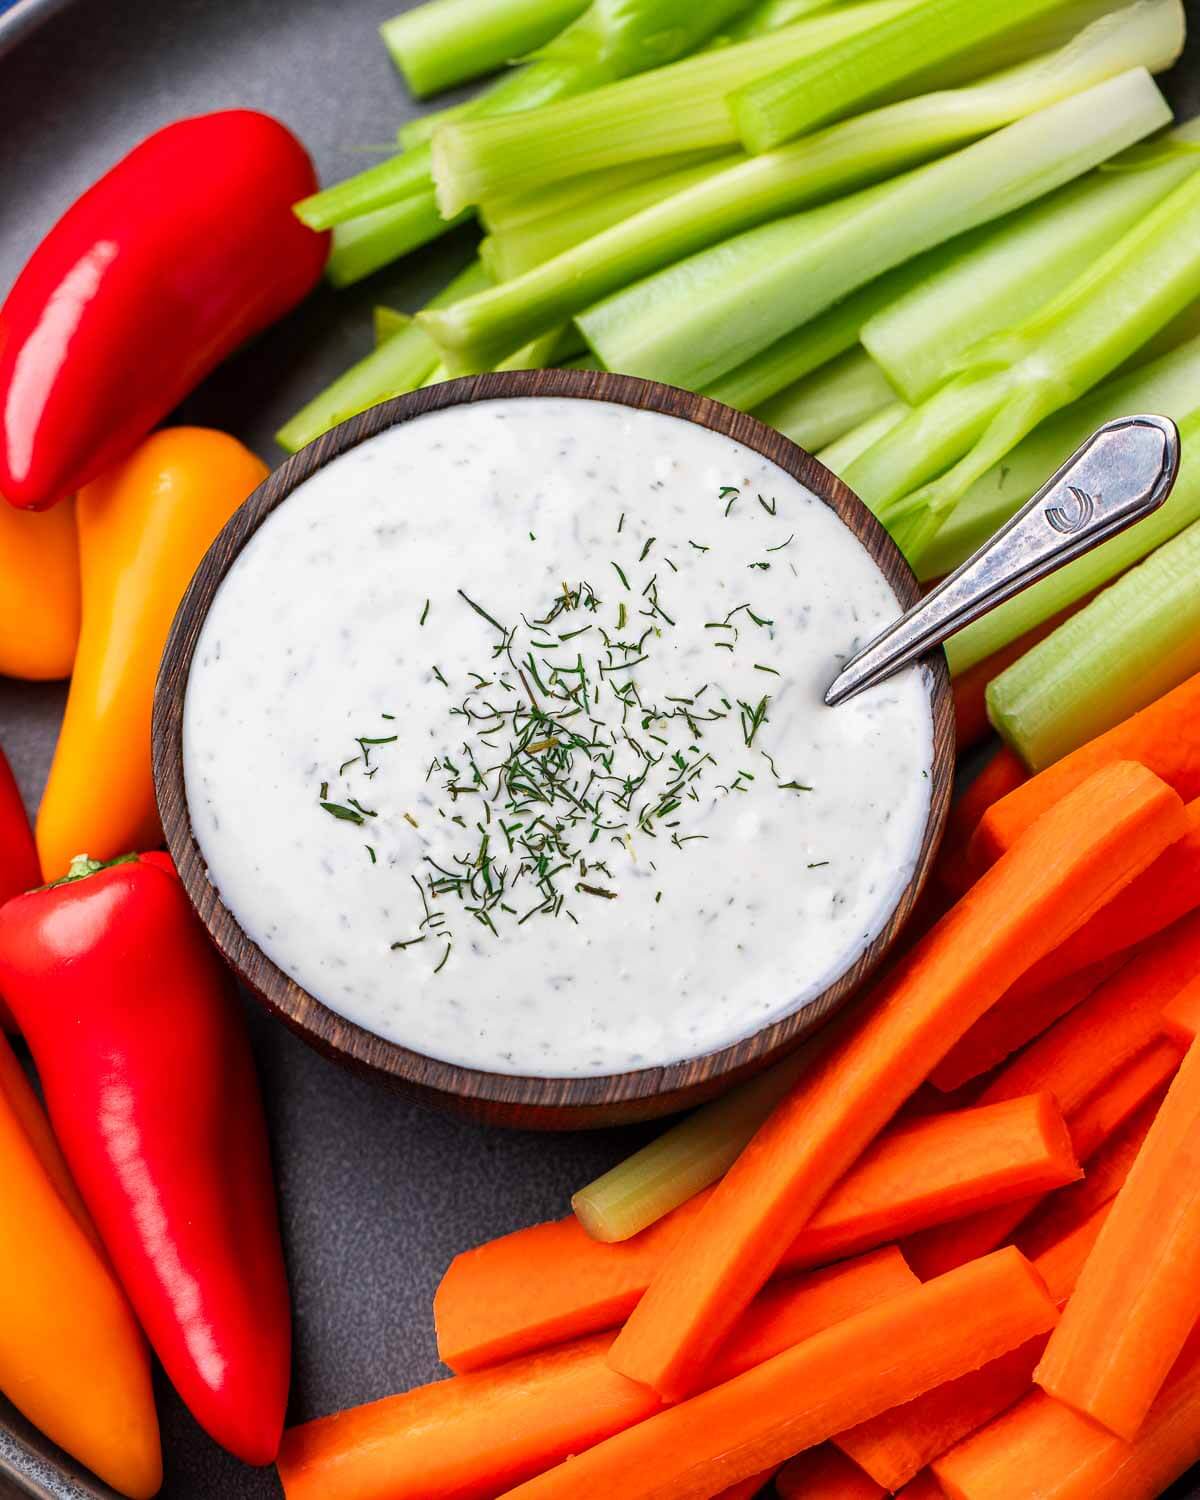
(376, 1194)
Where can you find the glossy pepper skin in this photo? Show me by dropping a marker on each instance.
(19, 867)
(150, 1085)
(143, 528)
(39, 592)
(183, 251)
(72, 1357)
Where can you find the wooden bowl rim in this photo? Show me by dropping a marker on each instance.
(629, 1095)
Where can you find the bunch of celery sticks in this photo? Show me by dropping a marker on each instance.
(936, 242)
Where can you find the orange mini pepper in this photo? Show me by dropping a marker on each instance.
(71, 1356)
(143, 528)
(39, 592)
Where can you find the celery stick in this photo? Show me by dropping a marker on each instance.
(445, 42)
(1136, 641)
(830, 402)
(1169, 384)
(552, 349)
(698, 319)
(518, 250)
(680, 107)
(572, 193)
(839, 455)
(398, 364)
(365, 244)
(920, 338)
(688, 1158)
(537, 292)
(855, 71)
(770, 15)
(821, 339)
(419, 132)
(1127, 294)
(388, 321)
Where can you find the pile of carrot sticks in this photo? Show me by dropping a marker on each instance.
(960, 1259)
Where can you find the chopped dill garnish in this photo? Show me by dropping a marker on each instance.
(758, 667)
(769, 508)
(819, 864)
(782, 545)
(345, 814)
(732, 492)
(424, 614)
(650, 541)
(698, 546)
(621, 574)
(371, 852)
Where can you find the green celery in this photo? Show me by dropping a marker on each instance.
(1071, 344)
(856, 71)
(611, 40)
(1136, 641)
(396, 365)
(518, 250)
(445, 42)
(364, 245)
(696, 320)
(770, 15)
(538, 289)
(570, 194)
(1169, 384)
(830, 402)
(387, 322)
(1014, 269)
(839, 455)
(419, 131)
(551, 350)
(685, 1160)
(680, 107)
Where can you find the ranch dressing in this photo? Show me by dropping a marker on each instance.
(504, 738)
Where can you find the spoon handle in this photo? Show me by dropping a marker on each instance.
(1123, 472)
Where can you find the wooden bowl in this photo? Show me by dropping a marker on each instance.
(537, 1103)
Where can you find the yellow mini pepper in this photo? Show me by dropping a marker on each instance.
(143, 528)
(71, 1356)
(39, 592)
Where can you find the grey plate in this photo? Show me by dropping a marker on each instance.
(377, 1196)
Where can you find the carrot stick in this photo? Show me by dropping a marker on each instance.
(1087, 847)
(939, 1168)
(1043, 1448)
(473, 1436)
(746, 1489)
(954, 873)
(923, 1487)
(799, 1398)
(1165, 737)
(1100, 1105)
(540, 1285)
(896, 1445)
(1063, 1212)
(1168, 890)
(1016, 1019)
(1181, 1019)
(825, 1473)
(1139, 1294)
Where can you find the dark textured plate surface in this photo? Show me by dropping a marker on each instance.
(377, 1195)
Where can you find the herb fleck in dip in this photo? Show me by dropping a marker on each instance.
(505, 738)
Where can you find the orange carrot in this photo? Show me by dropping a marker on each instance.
(954, 873)
(895, 1446)
(825, 1473)
(1087, 847)
(473, 1436)
(541, 1285)
(1139, 1294)
(1181, 1019)
(1043, 1448)
(1016, 1019)
(1165, 737)
(1092, 1119)
(923, 1487)
(1063, 1212)
(799, 1398)
(746, 1489)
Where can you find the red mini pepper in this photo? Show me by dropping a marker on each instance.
(180, 253)
(20, 869)
(151, 1088)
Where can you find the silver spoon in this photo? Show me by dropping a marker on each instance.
(1124, 472)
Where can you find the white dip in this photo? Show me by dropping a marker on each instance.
(678, 843)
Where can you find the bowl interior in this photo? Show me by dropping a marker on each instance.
(504, 1098)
